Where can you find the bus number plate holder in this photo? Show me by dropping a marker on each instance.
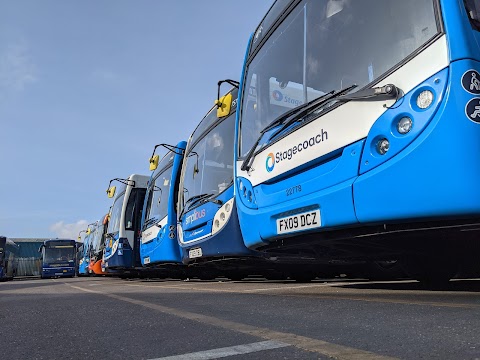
(303, 221)
(195, 253)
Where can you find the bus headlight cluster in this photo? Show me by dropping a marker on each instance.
(425, 99)
(222, 215)
(180, 233)
(245, 191)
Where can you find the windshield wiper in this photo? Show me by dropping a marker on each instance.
(149, 222)
(215, 201)
(193, 200)
(290, 116)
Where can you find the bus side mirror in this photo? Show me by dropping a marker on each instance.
(154, 162)
(111, 191)
(224, 104)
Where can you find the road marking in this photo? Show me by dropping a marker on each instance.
(302, 342)
(228, 351)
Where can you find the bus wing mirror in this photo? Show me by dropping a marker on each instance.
(224, 104)
(111, 191)
(154, 162)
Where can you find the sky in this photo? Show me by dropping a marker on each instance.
(87, 88)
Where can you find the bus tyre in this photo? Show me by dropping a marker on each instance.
(302, 277)
(432, 272)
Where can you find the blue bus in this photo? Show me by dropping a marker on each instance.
(83, 252)
(97, 245)
(8, 265)
(58, 258)
(208, 227)
(122, 240)
(358, 129)
(159, 245)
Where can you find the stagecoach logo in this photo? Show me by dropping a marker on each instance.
(471, 82)
(195, 216)
(277, 95)
(289, 154)
(270, 163)
(472, 110)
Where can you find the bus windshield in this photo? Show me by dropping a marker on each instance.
(157, 205)
(116, 214)
(97, 238)
(326, 45)
(59, 254)
(208, 167)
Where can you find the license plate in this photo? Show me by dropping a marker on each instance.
(303, 221)
(146, 260)
(65, 271)
(195, 253)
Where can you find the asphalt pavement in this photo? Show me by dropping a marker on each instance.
(110, 318)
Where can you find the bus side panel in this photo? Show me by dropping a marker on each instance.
(437, 174)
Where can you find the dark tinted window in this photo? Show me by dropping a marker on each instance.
(473, 11)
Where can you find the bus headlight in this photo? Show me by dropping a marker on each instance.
(222, 215)
(382, 146)
(180, 233)
(425, 99)
(404, 125)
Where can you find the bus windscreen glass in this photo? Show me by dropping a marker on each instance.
(209, 164)
(116, 214)
(326, 45)
(157, 206)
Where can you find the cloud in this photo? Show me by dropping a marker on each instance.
(16, 67)
(68, 231)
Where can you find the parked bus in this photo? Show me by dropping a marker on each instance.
(8, 265)
(122, 241)
(208, 226)
(159, 245)
(84, 250)
(58, 258)
(97, 245)
(358, 130)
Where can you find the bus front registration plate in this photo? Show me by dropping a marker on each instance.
(195, 253)
(303, 221)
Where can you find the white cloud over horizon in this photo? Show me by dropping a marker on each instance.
(68, 231)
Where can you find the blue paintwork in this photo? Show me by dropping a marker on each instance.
(57, 271)
(437, 174)
(227, 242)
(326, 186)
(164, 248)
(432, 172)
(123, 255)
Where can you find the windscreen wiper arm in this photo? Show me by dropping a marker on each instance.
(290, 116)
(193, 200)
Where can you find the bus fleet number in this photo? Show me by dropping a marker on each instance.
(294, 189)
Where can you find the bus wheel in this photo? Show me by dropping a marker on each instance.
(302, 277)
(433, 272)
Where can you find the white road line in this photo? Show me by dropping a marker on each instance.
(228, 351)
